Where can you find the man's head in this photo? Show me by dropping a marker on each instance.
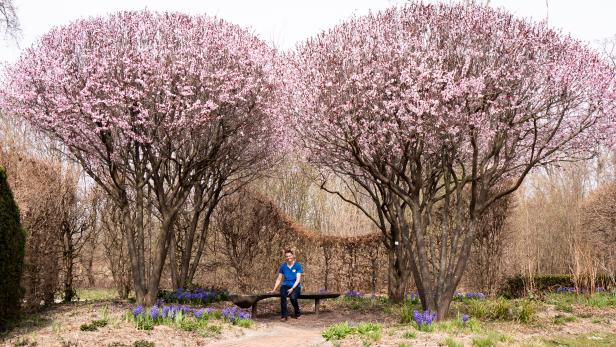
(288, 255)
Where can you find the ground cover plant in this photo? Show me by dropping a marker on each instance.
(193, 296)
(185, 317)
(368, 330)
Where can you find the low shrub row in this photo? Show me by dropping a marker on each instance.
(516, 286)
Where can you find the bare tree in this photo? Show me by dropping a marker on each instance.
(9, 23)
(78, 219)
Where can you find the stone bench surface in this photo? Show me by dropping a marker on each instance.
(246, 301)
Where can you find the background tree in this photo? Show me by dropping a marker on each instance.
(77, 225)
(486, 264)
(9, 23)
(147, 104)
(12, 240)
(448, 107)
(599, 225)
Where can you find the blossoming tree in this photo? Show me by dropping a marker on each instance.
(152, 106)
(448, 107)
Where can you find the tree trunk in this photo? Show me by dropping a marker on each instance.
(68, 254)
(160, 254)
(204, 231)
(189, 240)
(175, 281)
(397, 278)
(69, 292)
(398, 268)
(442, 309)
(136, 264)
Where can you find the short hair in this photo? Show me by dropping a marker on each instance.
(288, 251)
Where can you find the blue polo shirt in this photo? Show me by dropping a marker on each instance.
(290, 274)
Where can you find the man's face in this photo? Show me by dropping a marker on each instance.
(289, 257)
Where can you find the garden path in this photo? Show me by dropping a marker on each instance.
(277, 334)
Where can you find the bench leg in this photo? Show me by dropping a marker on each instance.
(316, 306)
(254, 311)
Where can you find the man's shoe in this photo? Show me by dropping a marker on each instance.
(283, 319)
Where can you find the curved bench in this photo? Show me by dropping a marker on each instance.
(246, 301)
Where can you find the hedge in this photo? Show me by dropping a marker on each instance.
(12, 242)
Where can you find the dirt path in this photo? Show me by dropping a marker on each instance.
(277, 334)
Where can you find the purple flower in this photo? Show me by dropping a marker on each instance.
(234, 313)
(417, 317)
(352, 294)
(478, 296)
(173, 311)
(560, 290)
(465, 318)
(137, 311)
(154, 312)
(423, 318)
(198, 313)
(166, 310)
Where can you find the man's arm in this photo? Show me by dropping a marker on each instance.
(278, 280)
(297, 280)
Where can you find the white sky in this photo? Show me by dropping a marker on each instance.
(287, 22)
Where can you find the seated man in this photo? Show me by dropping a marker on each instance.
(291, 271)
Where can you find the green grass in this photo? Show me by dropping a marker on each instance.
(26, 341)
(583, 340)
(492, 339)
(597, 320)
(210, 330)
(244, 323)
(406, 311)
(523, 311)
(456, 325)
(562, 319)
(563, 301)
(143, 343)
(56, 327)
(94, 325)
(409, 335)
(337, 331)
(96, 294)
(191, 324)
(449, 342)
(369, 331)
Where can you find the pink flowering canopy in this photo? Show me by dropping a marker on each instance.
(146, 78)
(422, 78)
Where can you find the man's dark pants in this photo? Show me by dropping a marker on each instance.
(284, 312)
